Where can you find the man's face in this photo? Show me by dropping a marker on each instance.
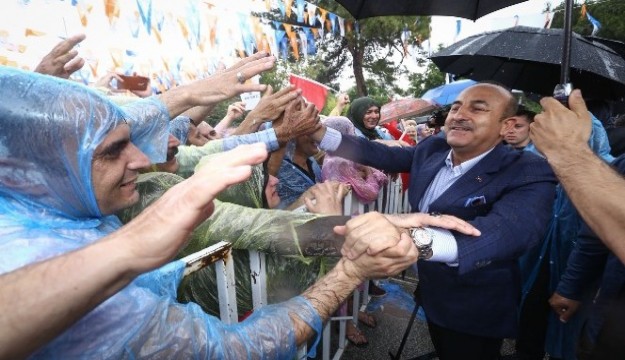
(474, 123)
(271, 192)
(306, 145)
(518, 135)
(114, 171)
(171, 163)
(372, 117)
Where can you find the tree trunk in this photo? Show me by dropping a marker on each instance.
(357, 56)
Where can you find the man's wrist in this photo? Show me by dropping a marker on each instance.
(348, 271)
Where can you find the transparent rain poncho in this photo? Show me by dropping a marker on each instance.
(365, 181)
(50, 128)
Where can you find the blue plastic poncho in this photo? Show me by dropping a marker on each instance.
(557, 246)
(49, 129)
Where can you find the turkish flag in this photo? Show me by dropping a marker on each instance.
(312, 91)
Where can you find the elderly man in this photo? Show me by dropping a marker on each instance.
(469, 286)
(69, 163)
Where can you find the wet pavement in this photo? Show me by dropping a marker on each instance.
(392, 313)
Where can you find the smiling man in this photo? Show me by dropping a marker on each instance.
(469, 285)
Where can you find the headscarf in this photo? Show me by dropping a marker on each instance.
(357, 111)
(365, 181)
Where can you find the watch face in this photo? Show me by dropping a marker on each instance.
(422, 236)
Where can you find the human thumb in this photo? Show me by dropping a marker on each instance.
(577, 103)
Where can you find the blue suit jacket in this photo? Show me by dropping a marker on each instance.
(508, 196)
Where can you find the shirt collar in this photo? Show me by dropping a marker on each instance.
(467, 165)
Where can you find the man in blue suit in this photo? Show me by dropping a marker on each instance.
(470, 286)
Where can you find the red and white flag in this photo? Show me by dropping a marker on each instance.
(312, 91)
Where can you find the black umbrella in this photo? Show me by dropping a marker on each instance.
(529, 59)
(361, 9)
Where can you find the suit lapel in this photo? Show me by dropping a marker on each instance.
(426, 173)
(468, 184)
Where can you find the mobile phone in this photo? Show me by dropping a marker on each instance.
(133, 82)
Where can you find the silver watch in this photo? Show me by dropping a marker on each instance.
(422, 239)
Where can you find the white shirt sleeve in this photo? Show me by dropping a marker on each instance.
(444, 247)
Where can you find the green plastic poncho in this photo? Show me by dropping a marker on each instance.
(285, 236)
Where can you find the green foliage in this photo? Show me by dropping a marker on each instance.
(420, 83)
(377, 92)
(608, 12)
(373, 52)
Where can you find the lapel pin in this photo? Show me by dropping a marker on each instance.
(478, 178)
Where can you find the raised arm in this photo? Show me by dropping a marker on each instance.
(562, 136)
(70, 285)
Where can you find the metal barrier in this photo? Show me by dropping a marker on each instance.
(390, 201)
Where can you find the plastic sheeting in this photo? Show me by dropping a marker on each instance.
(366, 182)
(280, 234)
(50, 128)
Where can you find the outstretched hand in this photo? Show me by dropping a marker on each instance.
(272, 104)
(156, 235)
(558, 128)
(326, 197)
(218, 87)
(444, 221)
(299, 119)
(62, 61)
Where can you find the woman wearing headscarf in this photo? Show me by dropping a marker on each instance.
(364, 113)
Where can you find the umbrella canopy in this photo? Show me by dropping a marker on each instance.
(468, 9)
(529, 59)
(447, 93)
(405, 108)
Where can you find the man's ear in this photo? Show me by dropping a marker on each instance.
(507, 125)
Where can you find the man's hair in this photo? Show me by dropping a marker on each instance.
(523, 111)
(512, 105)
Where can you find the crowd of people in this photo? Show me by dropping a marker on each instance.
(102, 194)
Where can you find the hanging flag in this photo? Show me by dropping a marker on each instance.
(312, 18)
(458, 29)
(596, 25)
(312, 91)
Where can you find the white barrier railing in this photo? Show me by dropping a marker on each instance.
(390, 201)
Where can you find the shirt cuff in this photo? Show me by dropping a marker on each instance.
(444, 247)
(331, 140)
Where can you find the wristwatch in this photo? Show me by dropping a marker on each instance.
(422, 239)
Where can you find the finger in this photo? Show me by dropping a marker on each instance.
(242, 155)
(310, 205)
(74, 65)
(67, 44)
(577, 104)
(256, 67)
(66, 57)
(284, 91)
(249, 59)
(268, 92)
